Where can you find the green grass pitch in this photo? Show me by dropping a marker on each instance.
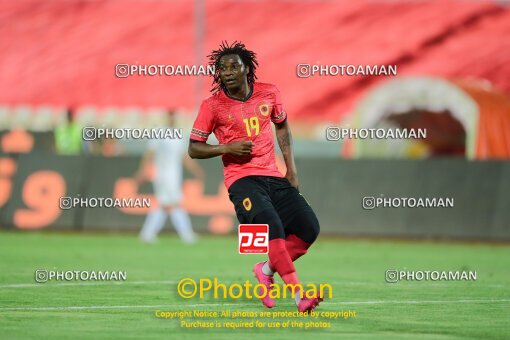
(405, 310)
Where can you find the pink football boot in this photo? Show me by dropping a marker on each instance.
(309, 304)
(266, 280)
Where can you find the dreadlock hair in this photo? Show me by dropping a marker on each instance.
(247, 57)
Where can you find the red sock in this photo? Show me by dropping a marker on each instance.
(296, 248)
(281, 261)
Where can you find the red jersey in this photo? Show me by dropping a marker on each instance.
(235, 120)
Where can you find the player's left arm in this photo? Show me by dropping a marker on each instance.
(284, 138)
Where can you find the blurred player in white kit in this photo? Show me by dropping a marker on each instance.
(168, 156)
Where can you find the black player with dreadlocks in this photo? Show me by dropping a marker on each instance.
(238, 54)
(240, 113)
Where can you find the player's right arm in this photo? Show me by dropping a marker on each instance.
(202, 128)
(203, 150)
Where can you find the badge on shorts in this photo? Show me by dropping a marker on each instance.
(247, 204)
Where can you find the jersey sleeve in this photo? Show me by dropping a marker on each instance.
(203, 125)
(278, 114)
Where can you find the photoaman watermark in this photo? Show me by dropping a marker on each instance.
(188, 288)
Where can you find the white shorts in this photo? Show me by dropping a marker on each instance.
(168, 192)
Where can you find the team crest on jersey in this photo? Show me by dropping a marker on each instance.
(247, 204)
(263, 108)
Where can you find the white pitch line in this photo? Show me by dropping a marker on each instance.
(120, 307)
(376, 302)
(413, 302)
(71, 284)
(107, 283)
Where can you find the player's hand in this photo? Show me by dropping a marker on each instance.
(240, 148)
(293, 179)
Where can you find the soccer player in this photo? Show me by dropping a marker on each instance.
(169, 156)
(240, 113)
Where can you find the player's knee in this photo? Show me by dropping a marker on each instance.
(271, 218)
(310, 229)
(315, 229)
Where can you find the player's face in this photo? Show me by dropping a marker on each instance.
(232, 71)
